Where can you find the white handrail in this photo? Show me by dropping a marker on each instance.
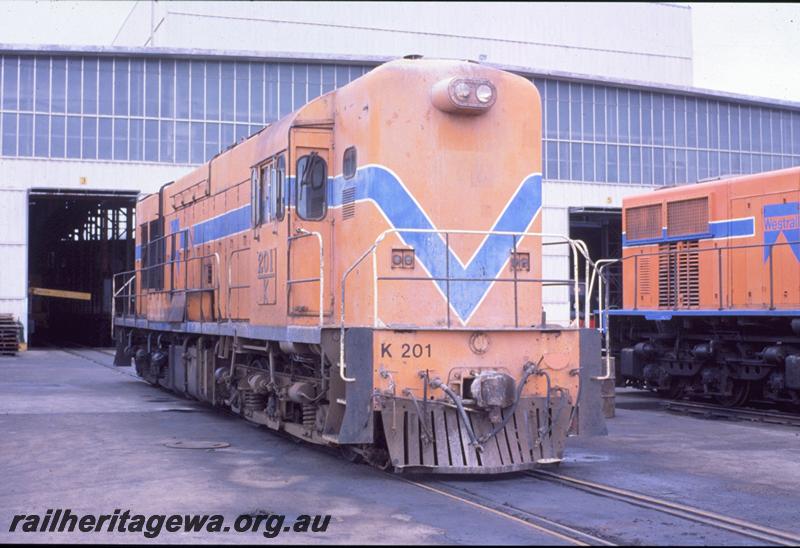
(577, 246)
(114, 294)
(318, 235)
(604, 327)
(230, 288)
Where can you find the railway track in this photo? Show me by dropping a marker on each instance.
(528, 519)
(100, 356)
(719, 521)
(573, 535)
(566, 533)
(711, 411)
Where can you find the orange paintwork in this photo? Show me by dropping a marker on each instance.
(741, 212)
(462, 171)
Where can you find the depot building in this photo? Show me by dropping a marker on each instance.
(85, 130)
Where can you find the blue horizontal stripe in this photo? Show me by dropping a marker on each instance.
(229, 223)
(733, 228)
(781, 210)
(668, 314)
(716, 229)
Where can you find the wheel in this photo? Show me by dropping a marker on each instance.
(377, 457)
(740, 393)
(673, 392)
(236, 402)
(351, 454)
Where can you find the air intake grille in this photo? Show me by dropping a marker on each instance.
(645, 286)
(679, 275)
(643, 222)
(687, 217)
(348, 203)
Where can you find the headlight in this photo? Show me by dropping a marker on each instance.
(462, 91)
(484, 93)
(464, 95)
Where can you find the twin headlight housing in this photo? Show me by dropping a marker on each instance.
(466, 95)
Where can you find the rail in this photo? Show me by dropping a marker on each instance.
(303, 233)
(232, 287)
(678, 284)
(114, 293)
(602, 304)
(684, 511)
(712, 411)
(578, 248)
(133, 296)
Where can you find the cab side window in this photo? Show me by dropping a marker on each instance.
(266, 191)
(145, 248)
(312, 187)
(349, 163)
(255, 198)
(277, 192)
(156, 254)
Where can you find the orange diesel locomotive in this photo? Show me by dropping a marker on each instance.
(366, 273)
(712, 289)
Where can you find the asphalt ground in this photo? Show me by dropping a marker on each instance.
(77, 433)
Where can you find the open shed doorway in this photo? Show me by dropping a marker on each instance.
(77, 241)
(601, 229)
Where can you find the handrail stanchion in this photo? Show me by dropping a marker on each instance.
(231, 286)
(635, 282)
(447, 272)
(719, 275)
(342, 305)
(576, 288)
(302, 233)
(375, 321)
(771, 281)
(514, 269)
(115, 294)
(586, 296)
(605, 323)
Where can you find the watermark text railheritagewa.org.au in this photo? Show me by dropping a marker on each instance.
(151, 526)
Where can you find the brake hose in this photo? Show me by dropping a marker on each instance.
(473, 440)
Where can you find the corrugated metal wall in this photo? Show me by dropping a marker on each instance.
(14, 253)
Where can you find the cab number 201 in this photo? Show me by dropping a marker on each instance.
(415, 350)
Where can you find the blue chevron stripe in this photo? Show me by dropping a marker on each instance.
(381, 186)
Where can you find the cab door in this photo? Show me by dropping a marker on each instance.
(748, 284)
(310, 254)
(269, 235)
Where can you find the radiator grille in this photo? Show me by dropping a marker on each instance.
(643, 222)
(687, 217)
(679, 275)
(348, 203)
(645, 287)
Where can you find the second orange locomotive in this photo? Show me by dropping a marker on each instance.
(711, 278)
(366, 273)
